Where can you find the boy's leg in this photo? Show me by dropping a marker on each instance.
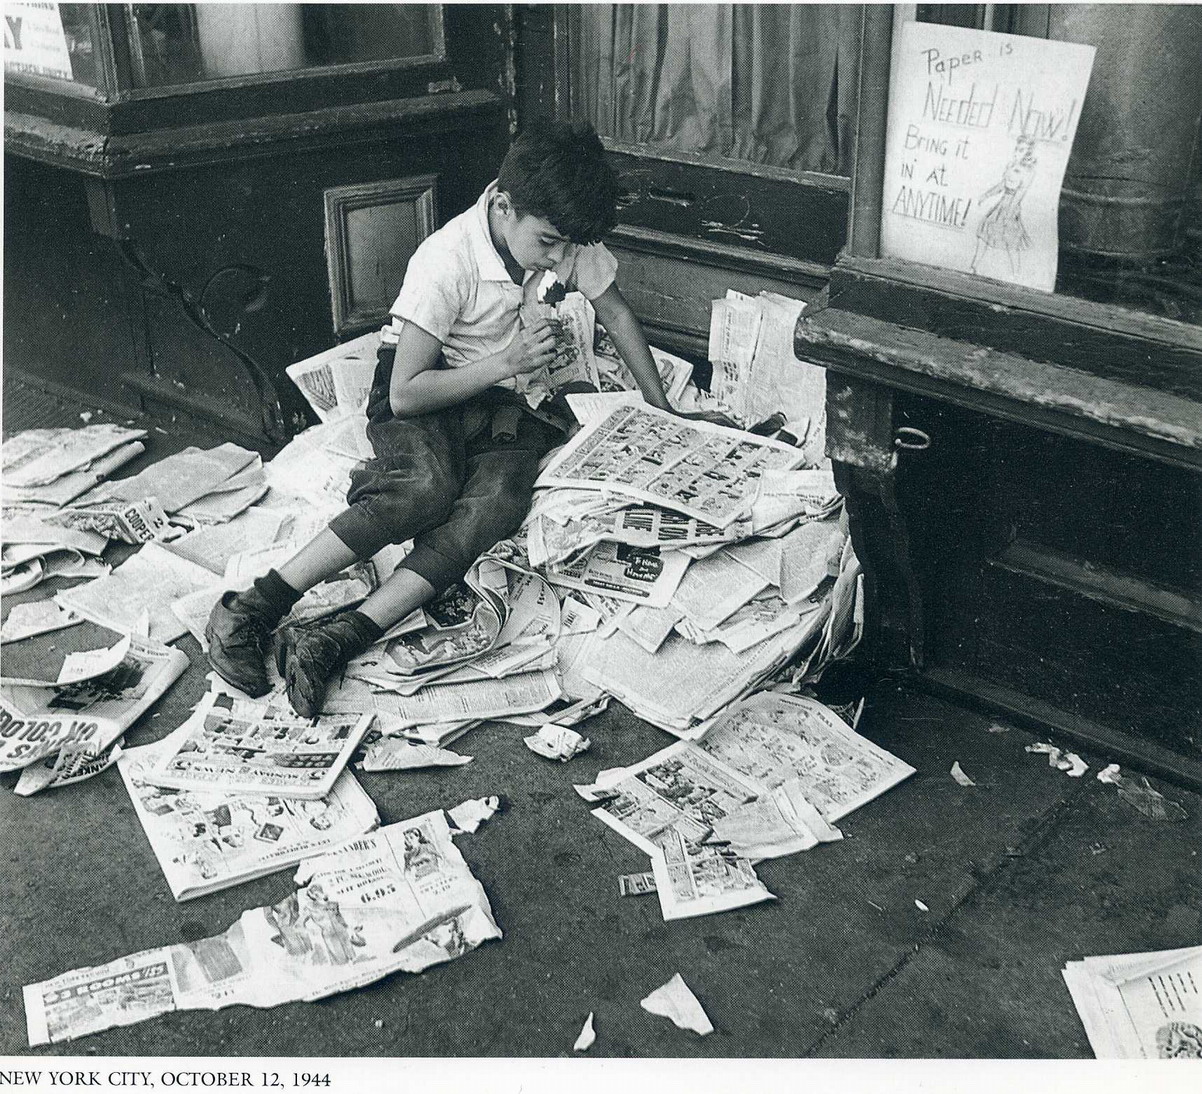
(492, 503)
(404, 490)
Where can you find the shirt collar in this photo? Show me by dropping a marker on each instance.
(488, 261)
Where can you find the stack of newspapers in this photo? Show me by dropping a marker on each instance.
(698, 560)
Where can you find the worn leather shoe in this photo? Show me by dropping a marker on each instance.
(308, 656)
(238, 633)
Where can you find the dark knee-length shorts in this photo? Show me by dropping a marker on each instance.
(455, 481)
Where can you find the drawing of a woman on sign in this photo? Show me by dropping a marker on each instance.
(1002, 226)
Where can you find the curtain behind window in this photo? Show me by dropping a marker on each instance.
(750, 82)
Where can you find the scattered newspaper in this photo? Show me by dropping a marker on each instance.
(66, 488)
(149, 581)
(73, 763)
(36, 617)
(129, 521)
(180, 479)
(1140, 1005)
(398, 898)
(692, 879)
(37, 457)
(251, 746)
(336, 383)
(207, 840)
(37, 722)
(706, 471)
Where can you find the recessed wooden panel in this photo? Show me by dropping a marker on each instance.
(372, 230)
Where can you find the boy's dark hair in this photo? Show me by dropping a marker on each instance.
(557, 170)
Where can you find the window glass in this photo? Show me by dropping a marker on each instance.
(750, 83)
(187, 43)
(55, 40)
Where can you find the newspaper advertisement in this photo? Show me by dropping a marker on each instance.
(640, 575)
(251, 746)
(207, 840)
(703, 470)
(336, 383)
(36, 457)
(398, 898)
(37, 722)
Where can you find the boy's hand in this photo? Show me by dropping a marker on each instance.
(713, 417)
(532, 348)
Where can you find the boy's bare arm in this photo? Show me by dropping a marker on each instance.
(624, 329)
(419, 386)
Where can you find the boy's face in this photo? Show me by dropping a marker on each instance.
(533, 242)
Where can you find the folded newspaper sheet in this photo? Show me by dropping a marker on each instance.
(1140, 1005)
(573, 320)
(398, 898)
(672, 803)
(258, 746)
(706, 471)
(73, 763)
(37, 722)
(37, 457)
(207, 840)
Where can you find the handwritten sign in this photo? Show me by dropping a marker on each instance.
(980, 130)
(34, 40)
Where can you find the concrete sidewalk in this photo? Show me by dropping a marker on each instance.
(1020, 873)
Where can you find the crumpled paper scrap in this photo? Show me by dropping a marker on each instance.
(469, 815)
(587, 1035)
(557, 743)
(675, 1001)
(1062, 761)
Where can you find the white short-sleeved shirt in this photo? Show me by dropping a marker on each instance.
(457, 289)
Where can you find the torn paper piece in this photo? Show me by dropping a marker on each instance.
(775, 824)
(394, 754)
(557, 743)
(1110, 774)
(37, 617)
(75, 762)
(87, 664)
(959, 776)
(1069, 762)
(587, 1035)
(468, 816)
(400, 898)
(636, 884)
(675, 1001)
(921, 906)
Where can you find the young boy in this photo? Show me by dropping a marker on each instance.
(457, 449)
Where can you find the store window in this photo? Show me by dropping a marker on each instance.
(730, 123)
(51, 40)
(1131, 203)
(172, 44)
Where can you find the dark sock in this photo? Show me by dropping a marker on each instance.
(276, 591)
(367, 628)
